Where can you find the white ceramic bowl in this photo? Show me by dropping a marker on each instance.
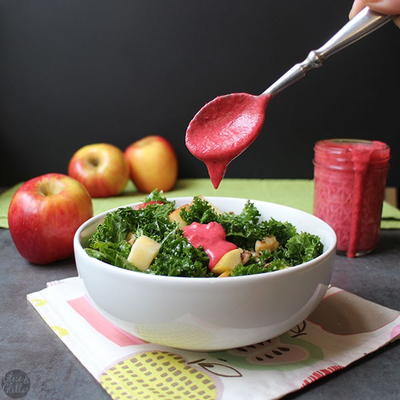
(210, 313)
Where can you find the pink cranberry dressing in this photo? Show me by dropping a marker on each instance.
(349, 184)
(223, 129)
(211, 237)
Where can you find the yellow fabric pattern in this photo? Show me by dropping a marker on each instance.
(60, 331)
(38, 302)
(157, 375)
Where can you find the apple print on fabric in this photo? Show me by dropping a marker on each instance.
(343, 313)
(160, 375)
(320, 374)
(285, 352)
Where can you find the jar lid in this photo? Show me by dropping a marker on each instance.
(349, 149)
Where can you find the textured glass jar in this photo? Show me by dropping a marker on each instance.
(349, 184)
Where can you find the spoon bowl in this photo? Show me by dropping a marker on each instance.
(224, 128)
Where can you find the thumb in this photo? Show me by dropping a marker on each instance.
(358, 5)
(390, 7)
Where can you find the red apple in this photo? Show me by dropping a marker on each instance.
(101, 167)
(153, 164)
(44, 215)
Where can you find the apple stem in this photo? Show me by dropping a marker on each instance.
(49, 188)
(93, 161)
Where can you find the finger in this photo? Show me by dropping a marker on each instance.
(397, 21)
(358, 5)
(391, 7)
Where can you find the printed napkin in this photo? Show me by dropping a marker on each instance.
(341, 330)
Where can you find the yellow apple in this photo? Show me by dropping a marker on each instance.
(174, 216)
(228, 261)
(143, 252)
(152, 163)
(101, 168)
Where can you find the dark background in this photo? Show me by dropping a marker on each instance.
(78, 72)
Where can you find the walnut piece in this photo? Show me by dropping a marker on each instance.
(131, 238)
(245, 256)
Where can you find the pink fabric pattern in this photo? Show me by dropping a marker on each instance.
(320, 374)
(395, 332)
(120, 337)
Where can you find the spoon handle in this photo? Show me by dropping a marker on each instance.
(365, 22)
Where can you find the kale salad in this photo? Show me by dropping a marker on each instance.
(157, 238)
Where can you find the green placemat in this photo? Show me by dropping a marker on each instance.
(294, 193)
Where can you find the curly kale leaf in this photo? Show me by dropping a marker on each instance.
(177, 257)
(248, 269)
(283, 231)
(115, 227)
(277, 264)
(109, 242)
(200, 210)
(153, 221)
(299, 248)
(156, 195)
(264, 262)
(244, 228)
(302, 247)
(112, 253)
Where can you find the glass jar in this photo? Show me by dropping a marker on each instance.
(349, 185)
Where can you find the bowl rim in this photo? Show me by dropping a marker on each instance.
(109, 268)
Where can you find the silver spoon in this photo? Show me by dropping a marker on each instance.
(211, 127)
(365, 22)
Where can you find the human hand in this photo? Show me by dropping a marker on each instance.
(390, 7)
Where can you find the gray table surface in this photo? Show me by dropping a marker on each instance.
(26, 343)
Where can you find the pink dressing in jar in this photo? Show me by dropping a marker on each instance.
(349, 184)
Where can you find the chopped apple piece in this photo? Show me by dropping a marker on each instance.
(228, 261)
(268, 243)
(224, 274)
(143, 252)
(175, 217)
